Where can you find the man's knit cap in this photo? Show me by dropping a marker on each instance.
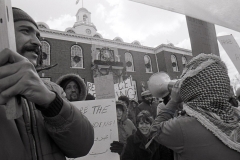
(20, 15)
(146, 93)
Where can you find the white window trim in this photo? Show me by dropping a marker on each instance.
(81, 56)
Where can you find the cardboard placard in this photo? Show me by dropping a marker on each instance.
(102, 116)
(91, 88)
(221, 12)
(126, 88)
(7, 40)
(203, 36)
(231, 47)
(104, 87)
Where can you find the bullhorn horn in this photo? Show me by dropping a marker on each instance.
(160, 84)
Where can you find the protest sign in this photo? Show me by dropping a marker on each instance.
(232, 49)
(102, 116)
(91, 88)
(7, 40)
(203, 36)
(221, 12)
(126, 88)
(104, 87)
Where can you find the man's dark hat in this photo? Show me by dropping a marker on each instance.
(20, 15)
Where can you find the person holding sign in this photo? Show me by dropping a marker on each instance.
(210, 127)
(135, 148)
(51, 127)
(125, 128)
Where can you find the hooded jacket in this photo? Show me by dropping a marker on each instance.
(81, 84)
(34, 136)
(125, 125)
(132, 111)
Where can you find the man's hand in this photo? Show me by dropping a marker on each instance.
(175, 95)
(19, 77)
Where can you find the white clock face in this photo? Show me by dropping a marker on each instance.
(88, 31)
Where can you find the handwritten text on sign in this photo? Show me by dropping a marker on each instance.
(91, 88)
(126, 88)
(232, 49)
(102, 115)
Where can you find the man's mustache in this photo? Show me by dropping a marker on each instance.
(33, 48)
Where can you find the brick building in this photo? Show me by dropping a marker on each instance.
(81, 50)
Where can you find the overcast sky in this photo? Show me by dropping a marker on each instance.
(126, 19)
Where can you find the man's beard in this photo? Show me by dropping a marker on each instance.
(29, 48)
(74, 97)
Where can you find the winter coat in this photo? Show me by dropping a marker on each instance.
(125, 127)
(135, 149)
(152, 108)
(189, 139)
(80, 82)
(132, 112)
(37, 137)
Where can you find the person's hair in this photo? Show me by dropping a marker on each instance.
(124, 99)
(67, 81)
(133, 101)
(90, 97)
(119, 106)
(144, 116)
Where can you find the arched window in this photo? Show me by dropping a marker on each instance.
(76, 57)
(148, 64)
(129, 62)
(174, 63)
(85, 17)
(70, 31)
(184, 61)
(45, 53)
(42, 26)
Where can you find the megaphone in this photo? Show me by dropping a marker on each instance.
(160, 84)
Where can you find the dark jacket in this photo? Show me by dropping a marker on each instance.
(135, 149)
(125, 127)
(132, 112)
(152, 108)
(37, 137)
(189, 139)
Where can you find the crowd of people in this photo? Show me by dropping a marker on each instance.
(199, 119)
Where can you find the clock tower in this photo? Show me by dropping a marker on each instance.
(83, 24)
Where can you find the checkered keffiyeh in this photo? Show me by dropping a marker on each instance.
(204, 89)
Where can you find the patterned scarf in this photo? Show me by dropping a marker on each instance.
(204, 89)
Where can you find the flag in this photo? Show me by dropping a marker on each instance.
(77, 1)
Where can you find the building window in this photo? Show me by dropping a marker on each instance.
(129, 62)
(42, 26)
(148, 64)
(70, 31)
(76, 57)
(85, 18)
(184, 61)
(174, 63)
(45, 53)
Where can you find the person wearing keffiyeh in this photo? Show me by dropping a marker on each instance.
(210, 129)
